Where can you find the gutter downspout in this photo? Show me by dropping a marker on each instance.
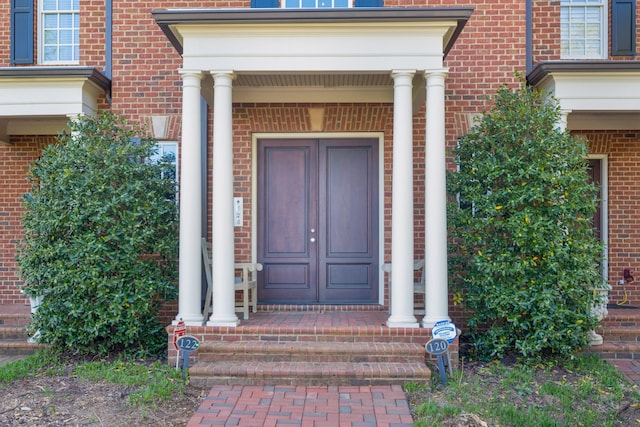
(108, 34)
(528, 36)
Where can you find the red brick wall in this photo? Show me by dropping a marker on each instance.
(15, 159)
(546, 30)
(621, 148)
(5, 33)
(146, 83)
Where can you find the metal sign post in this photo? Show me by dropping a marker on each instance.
(439, 347)
(444, 332)
(187, 344)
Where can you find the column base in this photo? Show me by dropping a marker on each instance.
(428, 322)
(402, 322)
(224, 322)
(193, 320)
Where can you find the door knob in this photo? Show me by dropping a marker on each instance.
(313, 239)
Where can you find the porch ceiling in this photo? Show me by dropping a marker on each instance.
(599, 95)
(40, 100)
(327, 87)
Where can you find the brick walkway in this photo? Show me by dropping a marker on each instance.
(630, 369)
(271, 406)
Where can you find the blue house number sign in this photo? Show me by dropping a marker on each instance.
(186, 344)
(437, 346)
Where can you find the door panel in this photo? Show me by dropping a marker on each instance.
(287, 208)
(348, 217)
(317, 221)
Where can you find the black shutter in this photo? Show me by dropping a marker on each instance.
(264, 3)
(368, 3)
(21, 31)
(623, 27)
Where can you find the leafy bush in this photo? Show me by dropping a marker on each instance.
(101, 239)
(524, 254)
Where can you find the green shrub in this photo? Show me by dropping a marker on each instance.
(101, 239)
(524, 254)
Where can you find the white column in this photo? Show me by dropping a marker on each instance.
(435, 221)
(222, 245)
(190, 267)
(401, 292)
(564, 116)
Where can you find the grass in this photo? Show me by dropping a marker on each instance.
(585, 391)
(47, 362)
(153, 382)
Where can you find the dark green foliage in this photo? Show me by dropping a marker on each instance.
(524, 253)
(101, 239)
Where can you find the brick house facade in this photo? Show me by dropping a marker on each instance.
(128, 63)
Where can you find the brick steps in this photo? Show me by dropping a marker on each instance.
(13, 336)
(206, 374)
(621, 333)
(242, 351)
(295, 347)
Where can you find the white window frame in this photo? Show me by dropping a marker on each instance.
(162, 150)
(319, 4)
(603, 5)
(75, 43)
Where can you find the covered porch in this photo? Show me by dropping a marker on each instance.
(392, 56)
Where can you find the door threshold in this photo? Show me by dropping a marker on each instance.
(320, 307)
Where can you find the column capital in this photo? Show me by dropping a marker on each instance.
(402, 73)
(190, 73)
(223, 73)
(564, 117)
(436, 72)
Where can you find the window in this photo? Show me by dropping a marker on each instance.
(316, 4)
(168, 151)
(582, 29)
(59, 31)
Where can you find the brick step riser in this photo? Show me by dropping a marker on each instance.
(614, 324)
(614, 355)
(322, 358)
(287, 338)
(19, 348)
(10, 335)
(238, 373)
(15, 322)
(612, 349)
(206, 382)
(614, 336)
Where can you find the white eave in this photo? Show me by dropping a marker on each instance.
(40, 100)
(597, 95)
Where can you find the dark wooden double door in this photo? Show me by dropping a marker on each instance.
(318, 221)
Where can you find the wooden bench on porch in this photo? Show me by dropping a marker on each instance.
(418, 287)
(246, 281)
